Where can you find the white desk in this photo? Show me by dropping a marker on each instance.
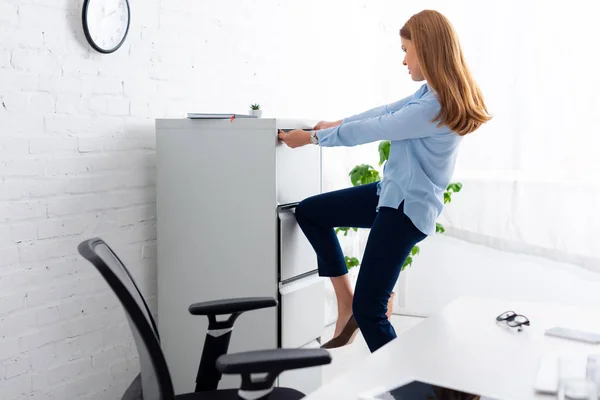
(464, 348)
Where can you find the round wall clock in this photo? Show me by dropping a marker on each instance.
(106, 23)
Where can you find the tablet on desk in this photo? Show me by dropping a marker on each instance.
(419, 390)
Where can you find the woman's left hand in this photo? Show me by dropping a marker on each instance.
(295, 138)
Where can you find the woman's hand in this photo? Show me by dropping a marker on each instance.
(295, 138)
(326, 124)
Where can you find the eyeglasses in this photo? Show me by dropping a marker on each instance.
(513, 319)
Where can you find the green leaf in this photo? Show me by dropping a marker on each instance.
(447, 197)
(439, 228)
(345, 230)
(363, 174)
(415, 250)
(407, 262)
(384, 151)
(454, 187)
(351, 262)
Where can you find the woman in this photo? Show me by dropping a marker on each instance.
(425, 130)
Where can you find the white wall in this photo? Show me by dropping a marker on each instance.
(77, 161)
(77, 150)
(531, 174)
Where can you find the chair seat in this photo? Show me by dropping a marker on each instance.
(134, 392)
(232, 394)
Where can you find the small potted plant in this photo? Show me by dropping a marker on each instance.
(255, 110)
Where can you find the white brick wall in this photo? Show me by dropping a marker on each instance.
(75, 162)
(77, 152)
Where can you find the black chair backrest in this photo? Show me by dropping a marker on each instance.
(155, 378)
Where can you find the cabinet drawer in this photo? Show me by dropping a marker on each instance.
(297, 256)
(305, 380)
(302, 311)
(298, 172)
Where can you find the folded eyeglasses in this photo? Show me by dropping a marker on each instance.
(513, 319)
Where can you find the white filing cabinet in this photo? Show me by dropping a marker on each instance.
(226, 228)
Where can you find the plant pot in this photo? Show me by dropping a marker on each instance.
(390, 305)
(256, 113)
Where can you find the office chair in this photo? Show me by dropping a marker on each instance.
(154, 380)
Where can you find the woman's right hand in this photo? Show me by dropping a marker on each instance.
(326, 124)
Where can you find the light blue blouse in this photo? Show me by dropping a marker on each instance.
(422, 156)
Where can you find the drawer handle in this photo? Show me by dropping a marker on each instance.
(311, 279)
(288, 206)
(285, 211)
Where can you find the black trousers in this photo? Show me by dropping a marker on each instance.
(391, 238)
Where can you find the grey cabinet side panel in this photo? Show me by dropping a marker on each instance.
(217, 237)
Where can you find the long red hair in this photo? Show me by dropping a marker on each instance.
(441, 59)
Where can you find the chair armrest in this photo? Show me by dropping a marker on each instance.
(218, 336)
(271, 361)
(231, 306)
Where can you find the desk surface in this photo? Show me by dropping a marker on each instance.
(464, 348)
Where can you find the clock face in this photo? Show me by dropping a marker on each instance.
(106, 23)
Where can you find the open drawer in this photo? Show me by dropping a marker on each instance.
(297, 256)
